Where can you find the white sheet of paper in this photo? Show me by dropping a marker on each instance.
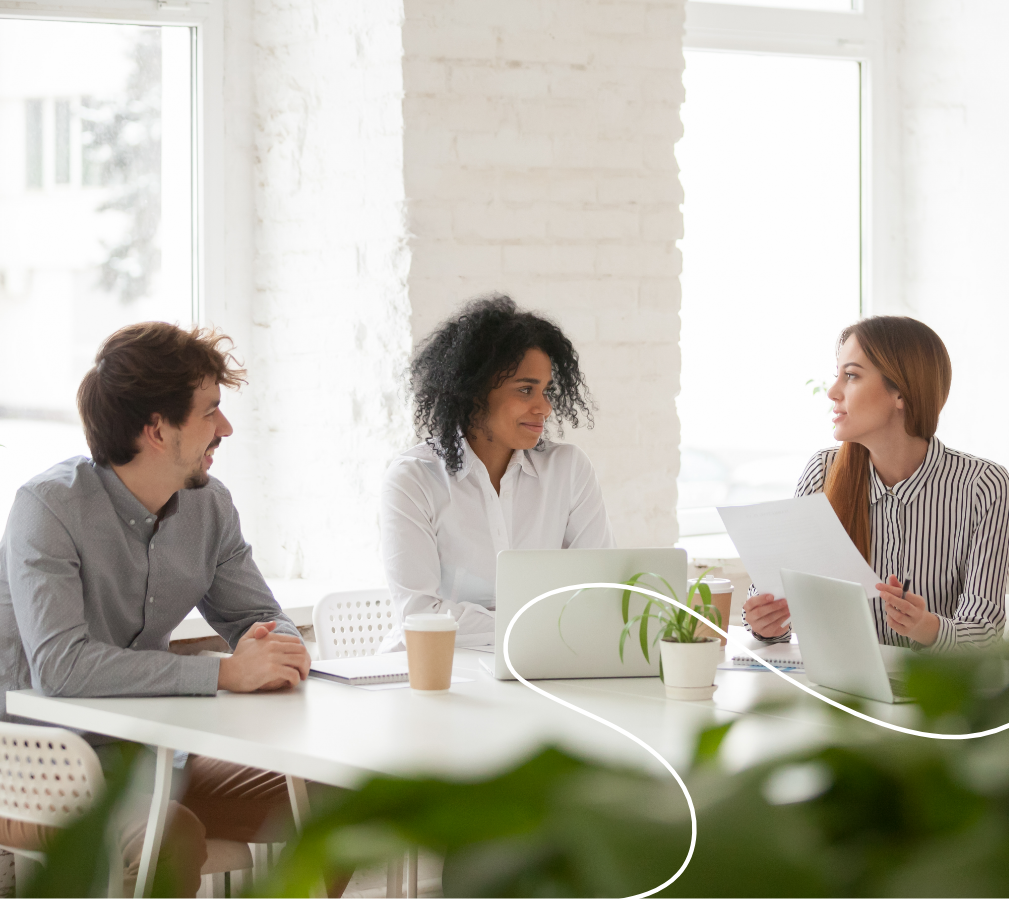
(802, 534)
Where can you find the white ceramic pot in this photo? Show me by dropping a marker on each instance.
(688, 670)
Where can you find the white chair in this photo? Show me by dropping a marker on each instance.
(352, 623)
(51, 777)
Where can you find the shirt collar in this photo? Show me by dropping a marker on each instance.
(470, 458)
(905, 491)
(128, 507)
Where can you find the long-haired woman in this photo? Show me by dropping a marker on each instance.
(486, 479)
(915, 509)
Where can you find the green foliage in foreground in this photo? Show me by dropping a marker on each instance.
(873, 813)
(870, 813)
(554, 826)
(877, 813)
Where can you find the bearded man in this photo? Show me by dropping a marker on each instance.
(103, 557)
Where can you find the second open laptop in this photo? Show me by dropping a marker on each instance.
(837, 637)
(577, 637)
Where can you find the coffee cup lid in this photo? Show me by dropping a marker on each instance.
(718, 585)
(430, 622)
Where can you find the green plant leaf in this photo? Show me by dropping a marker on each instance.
(625, 599)
(643, 633)
(709, 741)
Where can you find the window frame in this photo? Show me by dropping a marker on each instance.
(206, 21)
(858, 35)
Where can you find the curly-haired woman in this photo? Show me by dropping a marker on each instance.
(486, 479)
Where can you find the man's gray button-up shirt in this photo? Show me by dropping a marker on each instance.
(86, 610)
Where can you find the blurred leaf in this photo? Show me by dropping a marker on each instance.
(553, 826)
(709, 741)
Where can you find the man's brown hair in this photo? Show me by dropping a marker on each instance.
(147, 369)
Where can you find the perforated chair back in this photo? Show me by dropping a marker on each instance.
(352, 623)
(47, 775)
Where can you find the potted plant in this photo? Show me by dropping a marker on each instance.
(687, 661)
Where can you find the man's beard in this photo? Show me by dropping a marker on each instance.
(197, 479)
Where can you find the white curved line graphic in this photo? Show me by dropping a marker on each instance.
(690, 803)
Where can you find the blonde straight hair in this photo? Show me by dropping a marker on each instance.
(913, 361)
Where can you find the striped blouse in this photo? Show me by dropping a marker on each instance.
(946, 528)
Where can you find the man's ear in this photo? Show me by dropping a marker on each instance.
(154, 436)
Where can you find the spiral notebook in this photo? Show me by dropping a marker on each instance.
(783, 654)
(375, 670)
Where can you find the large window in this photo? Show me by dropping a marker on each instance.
(96, 214)
(772, 165)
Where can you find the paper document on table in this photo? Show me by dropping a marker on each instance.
(802, 534)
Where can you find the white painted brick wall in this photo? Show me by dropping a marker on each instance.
(538, 161)
(330, 313)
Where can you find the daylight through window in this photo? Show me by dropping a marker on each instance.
(96, 214)
(771, 273)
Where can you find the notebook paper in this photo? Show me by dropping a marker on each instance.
(783, 654)
(363, 670)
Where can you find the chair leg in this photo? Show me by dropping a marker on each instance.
(115, 856)
(412, 869)
(394, 878)
(24, 869)
(155, 823)
(297, 791)
(241, 882)
(260, 860)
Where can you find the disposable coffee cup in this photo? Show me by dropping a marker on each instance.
(721, 599)
(430, 646)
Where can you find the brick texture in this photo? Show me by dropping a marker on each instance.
(330, 312)
(538, 161)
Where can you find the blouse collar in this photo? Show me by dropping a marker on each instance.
(470, 458)
(905, 491)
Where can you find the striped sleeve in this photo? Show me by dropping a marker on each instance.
(814, 474)
(979, 618)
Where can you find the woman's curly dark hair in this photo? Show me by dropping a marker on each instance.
(474, 352)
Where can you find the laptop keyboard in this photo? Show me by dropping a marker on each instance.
(898, 687)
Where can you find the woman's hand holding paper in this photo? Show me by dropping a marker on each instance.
(767, 617)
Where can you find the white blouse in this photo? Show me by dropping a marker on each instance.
(441, 533)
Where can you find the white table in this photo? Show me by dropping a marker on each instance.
(341, 735)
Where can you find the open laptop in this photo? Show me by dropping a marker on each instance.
(837, 637)
(586, 642)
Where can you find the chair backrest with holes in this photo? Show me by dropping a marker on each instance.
(352, 623)
(48, 776)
